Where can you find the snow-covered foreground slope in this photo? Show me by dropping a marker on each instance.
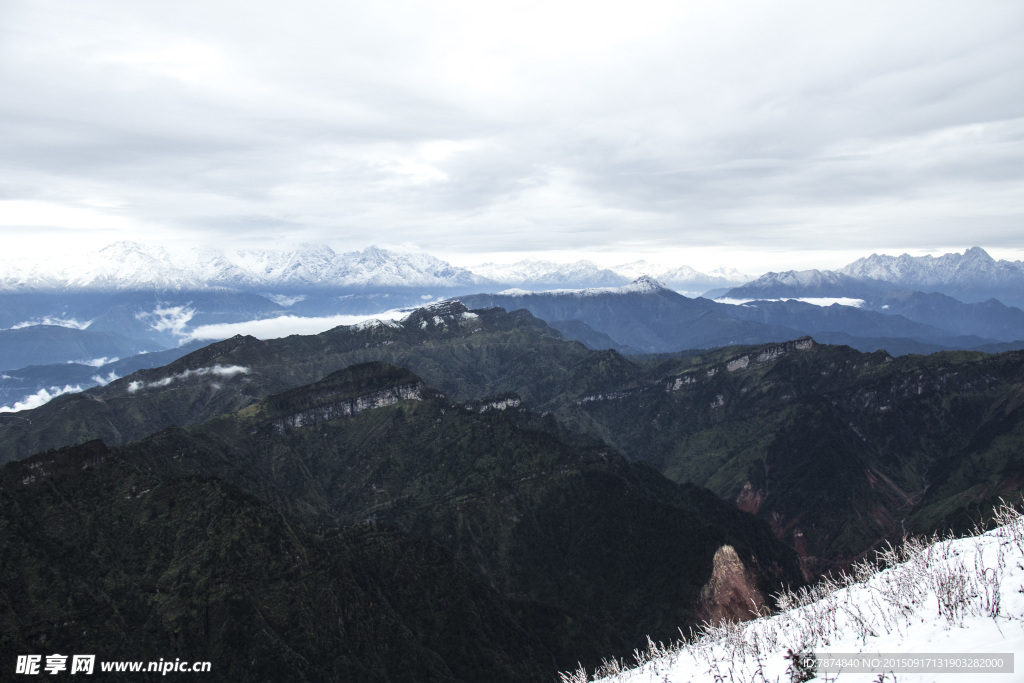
(957, 599)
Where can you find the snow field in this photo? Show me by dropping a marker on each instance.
(932, 598)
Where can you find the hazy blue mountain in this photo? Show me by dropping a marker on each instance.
(18, 384)
(644, 316)
(857, 323)
(647, 318)
(991, 319)
(592, 339)
(47, 344)
(160, 319)
(933, 320)
(795, 284)
(168, 317)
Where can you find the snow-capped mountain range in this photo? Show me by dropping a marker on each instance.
(539, 274)
(973, 276)
(550, 274)
(132, 266)
(927, 271)
(127, 266)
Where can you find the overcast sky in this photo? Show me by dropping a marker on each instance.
(782, 134)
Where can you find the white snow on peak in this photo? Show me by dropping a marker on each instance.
(58, 322)
(798, 278)
(815, 300)
(130, 265)
(539, 273)
(642, 284)
(373, 323)
(548, 273)
(974, 266)
(683, 276)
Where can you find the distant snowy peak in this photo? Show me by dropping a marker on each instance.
(683, 277)
(975, 266)
(535, 273)
(973, 276)
(642, 285)
(637, 269)
(800, 278)
(133, 266)
(804, 283)
(379, 267)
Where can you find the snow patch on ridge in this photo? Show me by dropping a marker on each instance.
(57, 322)
(814, 300)
(642, 285)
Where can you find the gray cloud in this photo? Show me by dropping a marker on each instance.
(486, 127)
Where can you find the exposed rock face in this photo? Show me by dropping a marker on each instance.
(731, 594)
(347, 408)
(750, 499)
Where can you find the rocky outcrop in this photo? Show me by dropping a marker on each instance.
(349, 407)
(731, 594)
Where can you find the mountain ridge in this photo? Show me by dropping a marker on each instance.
(127, 266)
(526, 517)
(971, 277)
(716, 419)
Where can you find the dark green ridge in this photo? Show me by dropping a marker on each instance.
(478, 483)
(581, 551)
(465, 356)
(768, 427)
(111, 560)
(837, 448)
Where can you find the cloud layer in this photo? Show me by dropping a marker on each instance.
(466, 127)
(39, 398)
(285, 325)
